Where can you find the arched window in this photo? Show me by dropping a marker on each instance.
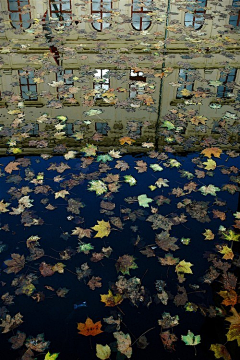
(195, 15)
(234, 19)
(101, 11)
(140, 19)
(19, 13)
(61, 10)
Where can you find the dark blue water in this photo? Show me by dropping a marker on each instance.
(56, 317)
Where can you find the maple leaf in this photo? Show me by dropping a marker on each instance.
(10, 323)
(94, 282)
(61, 193)
(230, 297)
(212, 151)
(110, 299)
(210, 164)
(37, 344)
(184, 267)
(219, 214)
(103, 352)
(103, 228)
(126, 140)
(123, 343)
(3, 206)
(168, 260)
(130, 180)
(99, 186)
(49, 356)
(46, 269)
(198, 119)
(231, 236)
(89, 328)
(16, 264)
(141, 166)
(234, 330)
(144, 201)
(17, 341)
(162, 182)
(168, 339)
(125, 263)
(185, 92)
(220, 351)
(208, 234)
(227, 252)
(210, 189)
(191, 339)
(13, 165)
(166, 242)
(89, 150)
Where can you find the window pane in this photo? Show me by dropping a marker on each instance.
(66, 5)
(96, 25)
(136, 21)
(13, 5)
(96, 4)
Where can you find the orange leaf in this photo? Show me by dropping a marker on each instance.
(89, 328)
(212, 151)
(126, 140)
(230, 297)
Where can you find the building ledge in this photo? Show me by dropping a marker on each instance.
(34, 103)
(3, 104)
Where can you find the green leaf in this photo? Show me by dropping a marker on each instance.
(103, 352)
(85, 248)
(48, 356)
(99, 186)
(104, 158)
(130, 180)
(156, 167)
(168, 125)
(191, 339)
(143, 200)
(215, 83)
(210, 189)
(231, 236)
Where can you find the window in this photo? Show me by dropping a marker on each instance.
(68, 129)
(140, 19)
(61, 10)
(187, 81)
(137, 84)
(27, 85)
(34, 131)
(101, 82)
(223, 90)
(195, 16)
(235, 13)
(66, 77)
(101, 11)
(19, 14)
(102, 128)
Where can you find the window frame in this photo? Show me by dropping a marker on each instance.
(184, 85)
(234, 5)
(61, 11)
(18, 11)
(222, 94)
(98, 96)
(195, 18)
(133, 79)
(28, 85)
(141, 11)
(67, 82)
(101, 12)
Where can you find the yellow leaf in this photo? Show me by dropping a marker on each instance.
(184, 267)
(3, 206)
(126, 140)
(228, 253)
(102, 228)
(210, 164)
(103, 352)
(111, 300)
(186, 92)
(208, 234)
(220, 351)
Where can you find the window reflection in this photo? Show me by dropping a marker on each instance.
(195, 15)
(140, 19)
(19, 14)
(101, 11)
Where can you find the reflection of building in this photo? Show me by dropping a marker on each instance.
(157, 73)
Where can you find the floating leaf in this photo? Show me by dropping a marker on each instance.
(110, 299)
(99, 186)
(49, 356)
(130, 180)
(89, 328)
(220, 351)
(123, 343)
(103, 352)
(212, 151)
(184, 267)
(103, 228)
(191, 339)
(144, 201)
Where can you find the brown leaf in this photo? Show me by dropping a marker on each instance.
(46, 269)
(9, 323)
(17, 341)
(95, 282)
(16, 264)
(165, 242)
